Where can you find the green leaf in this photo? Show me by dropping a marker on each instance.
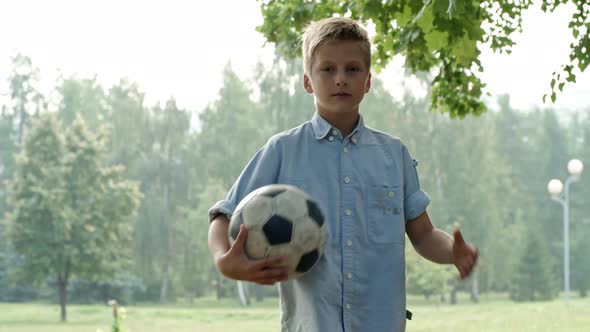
(425, 22)
(465, 50)
(405, 17)
(436, 40)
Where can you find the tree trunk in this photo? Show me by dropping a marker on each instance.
(62, 284)
(217, 287)
(474, 289)
(258, 291)
(454, 294)
(164, 287)
(168, 246)
(243, 293)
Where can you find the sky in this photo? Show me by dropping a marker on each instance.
(179, 49)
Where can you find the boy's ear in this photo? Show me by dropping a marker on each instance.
(307, 84)
(368, 85)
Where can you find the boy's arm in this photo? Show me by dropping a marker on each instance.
(232, 261)
(439, 247)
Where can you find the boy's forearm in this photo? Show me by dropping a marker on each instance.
(436, 246)
(217, 238)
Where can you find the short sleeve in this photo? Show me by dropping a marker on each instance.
(415, 199)
(262, 170)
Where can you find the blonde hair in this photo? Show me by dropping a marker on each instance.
(333, 28)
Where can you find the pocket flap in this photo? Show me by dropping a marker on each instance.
(384, 195)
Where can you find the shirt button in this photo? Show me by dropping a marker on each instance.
(347, 179)
(345, 150)
(331, 138)
(349, 243)
(391, 194)
(348, 306)
(334, 132)
(349, 275)
(348, 212)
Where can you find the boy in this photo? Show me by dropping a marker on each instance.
(367, 186)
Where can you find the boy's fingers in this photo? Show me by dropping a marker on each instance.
(271, 274)
(240, 240)
(269, 262)
(270, 281)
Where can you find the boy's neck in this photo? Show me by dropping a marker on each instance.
(345, 122)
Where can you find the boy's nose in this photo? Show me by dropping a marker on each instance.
(341, 79)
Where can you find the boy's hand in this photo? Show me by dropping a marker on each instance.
(464, 255)
(236, 265)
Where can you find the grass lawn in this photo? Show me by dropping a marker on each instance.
(209, 315)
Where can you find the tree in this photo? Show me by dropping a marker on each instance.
(195, 257)
(84, 97)
(533, 280)
(25, 99)
(425, 278)
(73, 209)
(171, 132)
(284, 102)
(579, 210)
(232, 129)
(443, 36)
(163, 168)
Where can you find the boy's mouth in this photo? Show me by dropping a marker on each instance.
(341, 94)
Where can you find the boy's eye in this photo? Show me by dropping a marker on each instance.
(354, 69)
(327, 69)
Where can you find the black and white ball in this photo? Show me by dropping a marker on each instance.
(282, 220)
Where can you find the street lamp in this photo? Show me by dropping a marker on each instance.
(555, 188)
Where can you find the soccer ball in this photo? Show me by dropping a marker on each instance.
(282, 220)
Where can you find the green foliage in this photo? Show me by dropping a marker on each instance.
(580, 270)
(425, 278)
(489, 173)
(232, 129)
(284, 104)
(75, 211)
(25, 99)
(533, 280)
(196, 259)
(440, 36)
(84, 97)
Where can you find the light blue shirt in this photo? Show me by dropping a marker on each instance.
(368, 189)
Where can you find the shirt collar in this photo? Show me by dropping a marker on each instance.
(322, 128)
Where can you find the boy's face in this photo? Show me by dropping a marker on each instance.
(338, 77)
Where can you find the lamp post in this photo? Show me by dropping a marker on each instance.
(555, 188)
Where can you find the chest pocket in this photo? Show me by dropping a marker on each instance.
(385, 224)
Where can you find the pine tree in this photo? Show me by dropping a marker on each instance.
(533, 280)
